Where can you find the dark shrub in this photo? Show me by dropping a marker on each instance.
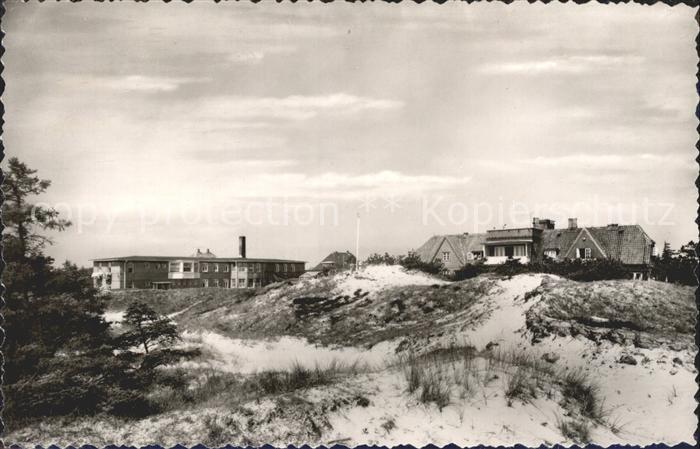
(131, 404)
(678, 270)
(577, 270)
(594, 270)
(512, 267)
(414, 262)
(469, 271)
(379, 259)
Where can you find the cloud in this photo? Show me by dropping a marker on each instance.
(294, 107)
(149, 83)
(255, 56)
(348, 186)
(130, 83)
(247, 57)
(580, 162)
(565, 64)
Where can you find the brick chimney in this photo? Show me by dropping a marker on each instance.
(573, 223)
(241, 246)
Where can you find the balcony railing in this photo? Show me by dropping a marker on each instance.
(495, 235)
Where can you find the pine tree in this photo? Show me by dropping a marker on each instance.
(147, 328)
(22, 217)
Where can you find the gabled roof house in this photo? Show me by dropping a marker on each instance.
(627, 243)
(335, 261)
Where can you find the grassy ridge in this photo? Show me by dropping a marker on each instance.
(315, 310)
(642, 312)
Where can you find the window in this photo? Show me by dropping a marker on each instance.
(187, 267)
(258, 267)
(293, 267)
(146, 265)
(277, 267)
(284, 267)
(224, 268)
(519, 251)
(205, 282)
(552, 253)
(242, 283)
(242, 266)
(130, 268)
(205, 267)
(215, 282)
(446, 256)
(499, 251)
(216, 268)
(225, 283)
(174, 267)
(583, 253)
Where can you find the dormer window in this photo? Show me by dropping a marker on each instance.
(446, 256)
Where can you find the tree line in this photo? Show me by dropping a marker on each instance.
(60, 355)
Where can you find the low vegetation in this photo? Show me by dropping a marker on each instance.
(321, 312)
(166, 302)
(645, 314)
(208, 387)
(410, 261)
(578, 388)
(445, 374)
(577, 270)
(575, 430)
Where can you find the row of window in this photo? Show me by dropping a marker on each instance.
(519, 251)
(218, 283)
(158, 266)
(194, 267)
(233, 283)
(206, 267)
(507, 251)
(581, 253)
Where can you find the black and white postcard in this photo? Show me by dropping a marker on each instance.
(349, 223)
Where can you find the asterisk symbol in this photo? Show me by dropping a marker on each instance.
(391, 203)
(368, 204)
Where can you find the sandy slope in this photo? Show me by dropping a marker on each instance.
(639, 397)
(424, 313)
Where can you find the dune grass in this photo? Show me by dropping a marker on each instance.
(443, 374)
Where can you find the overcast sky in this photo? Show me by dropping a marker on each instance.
(166, 127)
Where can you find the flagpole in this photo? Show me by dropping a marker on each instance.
(357, 244)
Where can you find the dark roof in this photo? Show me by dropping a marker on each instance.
(461, 243)
(627, 243)
(199, 259)
(336, 259)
